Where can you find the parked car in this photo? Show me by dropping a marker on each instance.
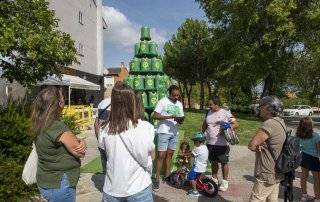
(298, 110)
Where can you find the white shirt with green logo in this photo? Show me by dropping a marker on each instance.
(166, 107)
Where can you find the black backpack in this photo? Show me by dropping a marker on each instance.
(291, 153)
(103, 114)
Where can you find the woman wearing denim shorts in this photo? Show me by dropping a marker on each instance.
(169, 111)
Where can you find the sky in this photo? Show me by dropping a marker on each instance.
(125, 18)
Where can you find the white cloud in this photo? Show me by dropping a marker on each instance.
(123, 33)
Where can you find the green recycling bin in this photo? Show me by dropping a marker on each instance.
(145, 33)
(161, 82)
(153, 99)
(166, 81)
(149, 82)
(144, 48)
(156, 65)
(153, 49)
(145, 99)
(145, 65)
(136, 49)
(138, 83)
(162, 93)
(135, 65)
(129, 80)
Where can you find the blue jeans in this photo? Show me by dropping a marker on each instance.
(64, 194)
(142, 196)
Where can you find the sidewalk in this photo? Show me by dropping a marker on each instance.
(240, 179)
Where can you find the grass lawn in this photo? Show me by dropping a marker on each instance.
(249, 125)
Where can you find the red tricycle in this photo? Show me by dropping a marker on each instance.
(204, 184)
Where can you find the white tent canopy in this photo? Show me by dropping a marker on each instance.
(74, 82)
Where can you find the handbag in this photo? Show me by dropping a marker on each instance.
(30, 167)
(131, 153)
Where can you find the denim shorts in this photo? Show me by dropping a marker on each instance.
(167, 141)
(142, 196)
(65, 193)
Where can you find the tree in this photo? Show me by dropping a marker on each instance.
(260, 38)
(187, 56)
(31, 47)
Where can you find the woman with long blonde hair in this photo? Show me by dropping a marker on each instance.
(58, 149)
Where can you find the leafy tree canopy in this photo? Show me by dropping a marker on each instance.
(31, 47)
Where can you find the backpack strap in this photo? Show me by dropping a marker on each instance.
(99, 115)
(268, 144)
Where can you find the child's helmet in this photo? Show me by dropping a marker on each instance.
(199, 136)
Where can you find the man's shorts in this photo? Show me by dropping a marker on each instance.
(192, 175)
(218, 153)
(167, 141)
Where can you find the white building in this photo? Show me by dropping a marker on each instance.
(83, 20)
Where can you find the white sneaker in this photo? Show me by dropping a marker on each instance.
(224, 185)
(215, 180)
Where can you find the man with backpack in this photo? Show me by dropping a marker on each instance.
(268, 144)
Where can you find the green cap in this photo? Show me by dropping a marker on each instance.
(199, 136)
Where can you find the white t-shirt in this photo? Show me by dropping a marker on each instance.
(201, 154)
(124, 176)
(214, 130)
(166, 107)
(104, 103)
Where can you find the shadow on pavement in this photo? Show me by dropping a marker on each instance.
(158, 198)
(249, 178)
(216, 198)
(98, 180)
(296, 193)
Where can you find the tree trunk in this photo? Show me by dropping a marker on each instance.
(182, 94)
(201, 94)
(268, 87)
(188, 92)
(209, 90)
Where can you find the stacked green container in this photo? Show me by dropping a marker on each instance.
(149, 82)
(135, 65)
(138, 83)
(145, 65)
(146, 72)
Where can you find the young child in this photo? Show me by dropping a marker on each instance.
(183, 158)
(200, 153)
(310, 142)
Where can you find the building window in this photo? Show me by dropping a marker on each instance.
(80, 49)
(80, 17)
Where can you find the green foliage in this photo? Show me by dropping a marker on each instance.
(258, 40)
(12, 188)
(31, 47)
(288, 102)
(186, 55)
(15, 135)
(71, 122)
(15, 146)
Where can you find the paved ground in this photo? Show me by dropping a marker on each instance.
(240, 179)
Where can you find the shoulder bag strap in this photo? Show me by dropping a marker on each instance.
(131, 153)
(99, 115)
(267, 142)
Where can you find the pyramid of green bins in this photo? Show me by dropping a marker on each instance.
(146, 71)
